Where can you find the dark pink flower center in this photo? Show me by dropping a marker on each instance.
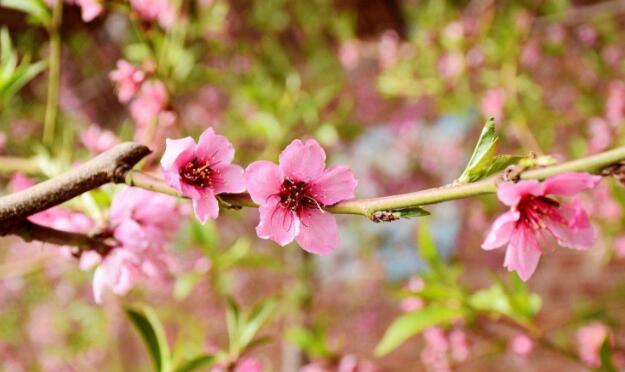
(199, 173)
(294, 195)
(534, 209)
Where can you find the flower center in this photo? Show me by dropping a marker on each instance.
(534, 209)
(293, 195)
(197, 173)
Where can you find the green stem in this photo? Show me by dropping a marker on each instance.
(54, 73)
(10, 164)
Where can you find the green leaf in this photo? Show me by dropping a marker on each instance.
(35, 8)
(498, 164)
(200, 361)
(605, 354)
(313, 341)
(148, 325)
(257, 318)
(482, 154)
(413, 323)
(411, 212)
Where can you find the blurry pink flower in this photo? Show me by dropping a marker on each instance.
(249, 365)
(589, 341)
(531, 53)
(611, 54)
(451, 65)
(388, 49)
(434, 354)
(292, 195)
(556, 33)
(151, 100)
(586, 34)
(127, 79)
(533, 212)
(475, 57)
(493, 103)
(203, 170)
(459, 345)
(19, 181)
(604, 205)
(600, 135)
(3, 141)
(90, 9)
(162, 11)
(618, 245)
(521, 345)
(415, 284)
(98, 140)
(143, 219)
(349, 54)
(615, 102)
(350, 363)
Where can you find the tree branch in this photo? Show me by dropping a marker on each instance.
(110, 166)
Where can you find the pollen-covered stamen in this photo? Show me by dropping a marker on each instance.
(199, 173)
(294, 196)
(534, 209)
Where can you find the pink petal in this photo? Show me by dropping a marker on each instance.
(511, 193)
(319, 233)
(303, 161)
(100, 282)
(277, 223)
(177, 152)
(568, 184)
(571, 226)
(501, 230)
(231, 179)
(336, 184)
(523, 252)
(206, 207)
(214, 149)
(263, 179)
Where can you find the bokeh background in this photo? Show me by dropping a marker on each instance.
(397, 89)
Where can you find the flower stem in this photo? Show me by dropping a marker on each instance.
(54, 73)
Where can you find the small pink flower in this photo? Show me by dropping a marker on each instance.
(615, 103)
(521, 345)
(127, 79)
(589, 341)
(600, 134)
(201, 171)
(3, 141)
(434, 354)
(349, 54)
(90, 9)
(292, 195)
(451, 65)
(533, 212)
(618, 245)
(350, 363)
(249, 365)
(162, 11)
(98, 140)
(459, 345)
(151, 100)
(493, 103)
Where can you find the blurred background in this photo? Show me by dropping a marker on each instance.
(397, 89)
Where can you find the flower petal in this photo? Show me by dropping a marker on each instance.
(214, 148)
(571, 226)
(277, 223)
(177, 151)
(263, 179)
(319, 233)
(511, 193)
(568, 184)
(206, 207)
(523, 252)
(231, 178)
(501, 230)
(336, 184)
(303, 161)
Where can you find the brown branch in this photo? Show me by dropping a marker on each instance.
(110, 166)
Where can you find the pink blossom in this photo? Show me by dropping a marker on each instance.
(521, 345)
(493, 103)
(98, 140)
(451, 65)
(618, 245)
(615, 103)
(533, 212)
(350, 363)
(127, 79)
(292, 195)
(531, 53)
(162, 11)
(459, 345)
(388, 49)
(434, 354)
(600, 134)
(611, 54)
(349, 54)
(587, 35)
(249, 365)
(415, 284)
(589, 341)
(3, 141)
(203, 170)
(89, 9)
(151, 100)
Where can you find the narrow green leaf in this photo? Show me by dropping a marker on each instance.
(35, 8)
(413, 323)
(412, 212)
(257, 318)
(152, 332)
(483, 153)
(312, 341)
(427, 249)
(605, 354)
(200, 361)
(498, 164)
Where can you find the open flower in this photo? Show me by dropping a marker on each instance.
(292, 196)
(534, 212)
(203, 170)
